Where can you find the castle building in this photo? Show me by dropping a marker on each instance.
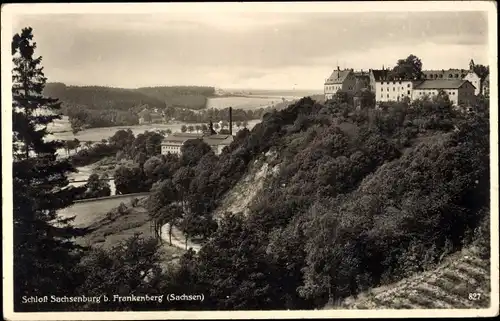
(340, 80)
(387, 88)
(460, 92)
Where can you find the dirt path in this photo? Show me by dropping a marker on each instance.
(178, 239)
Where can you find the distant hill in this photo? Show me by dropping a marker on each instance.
(191, 97)
(107, 98)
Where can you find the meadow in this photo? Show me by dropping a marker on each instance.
(98, 134)
(87, 212)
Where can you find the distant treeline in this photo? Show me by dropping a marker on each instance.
(99, 97)
(97, 106)
(207, 115)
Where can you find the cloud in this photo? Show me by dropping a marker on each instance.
(239, 47)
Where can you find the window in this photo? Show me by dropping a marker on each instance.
(393, 88)
(408, 92)
(441, 76)
(450, 75)
(387, 95)
(456, 75)
(381, 82)
(408, 86)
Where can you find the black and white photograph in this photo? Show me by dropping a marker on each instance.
(249, 160)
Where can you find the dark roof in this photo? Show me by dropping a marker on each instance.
(181, 137)
(209, 139)
(445, 74)
(338, 76)
(379, 74)
(442, 84)
(218, 139)
(359, 74)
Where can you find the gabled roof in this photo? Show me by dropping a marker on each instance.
(338, 76)
(379, 74)
(218, 139)
(209, 139)
(144, 112)
(181, 137)
(442, 84)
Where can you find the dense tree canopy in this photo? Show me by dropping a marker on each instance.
(409, 68)
(43, 252)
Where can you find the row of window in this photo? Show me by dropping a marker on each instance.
(402, 94)
(171, 147)
(433, 92)
(394, 82)
(333, 87)
(338, 87)
(394, 88)
(436, 76)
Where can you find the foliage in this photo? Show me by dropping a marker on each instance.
(130, 180)
(132, 267)
(43, 252)
(409, 68)
(482, 71)
(192, 151)
(97, 187)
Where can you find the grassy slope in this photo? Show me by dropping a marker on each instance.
(446, 287)
(110, 230)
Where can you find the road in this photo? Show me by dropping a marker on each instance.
(178, 239)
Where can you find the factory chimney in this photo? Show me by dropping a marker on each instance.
(230, 120)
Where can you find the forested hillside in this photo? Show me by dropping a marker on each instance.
(191, 97)
(360, 199)
(100, 98)
(97, 106)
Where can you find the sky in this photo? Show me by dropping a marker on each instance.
(264, 50)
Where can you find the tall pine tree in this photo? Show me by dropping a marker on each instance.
(44, 255)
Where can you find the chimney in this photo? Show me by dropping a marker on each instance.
(338, 68)
(230, 120)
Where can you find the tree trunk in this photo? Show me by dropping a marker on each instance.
(186, 242)
(170, 232)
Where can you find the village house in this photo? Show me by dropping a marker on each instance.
(340, 80)
(147, 116)
(460, 92)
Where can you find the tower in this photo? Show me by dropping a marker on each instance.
(471, 65)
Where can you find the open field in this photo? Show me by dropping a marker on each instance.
(446, 287)
(87, 212)
(98, 134)
(111, 229)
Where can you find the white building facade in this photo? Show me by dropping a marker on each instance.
(460, 92)
(340, 80)
(172, 143)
